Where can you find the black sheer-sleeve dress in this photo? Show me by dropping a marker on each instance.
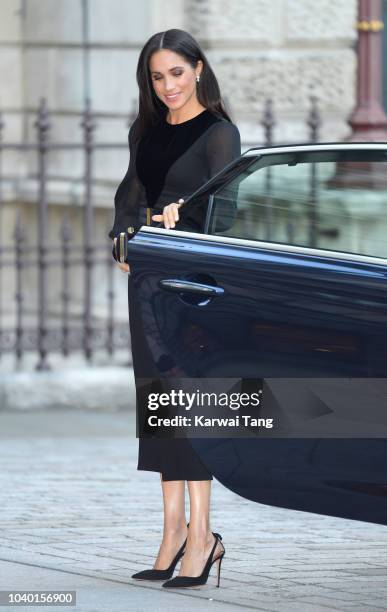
(168, 163)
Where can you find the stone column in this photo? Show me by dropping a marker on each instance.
(368, 121)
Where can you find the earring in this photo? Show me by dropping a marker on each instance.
(198, 78)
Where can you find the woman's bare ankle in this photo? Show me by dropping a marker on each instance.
(199, 538)
(175, 530)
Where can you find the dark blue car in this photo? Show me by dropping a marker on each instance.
(277, 271)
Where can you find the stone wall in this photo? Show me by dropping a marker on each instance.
(285, 49)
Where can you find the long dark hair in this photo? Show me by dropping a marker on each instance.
(151, 108)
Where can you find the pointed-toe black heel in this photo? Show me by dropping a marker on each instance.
(165, 574)
(180, 582)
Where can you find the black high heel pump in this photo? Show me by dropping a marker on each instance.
(192, 581)
(157, 574)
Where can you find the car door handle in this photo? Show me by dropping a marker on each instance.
(182, 286)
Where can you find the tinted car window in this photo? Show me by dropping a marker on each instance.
(328, 200)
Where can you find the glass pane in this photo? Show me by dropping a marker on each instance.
(384, 54)
(338, 204)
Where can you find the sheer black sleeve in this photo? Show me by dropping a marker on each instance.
(130, 194)
(223, 146)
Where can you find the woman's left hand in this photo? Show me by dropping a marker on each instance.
(170, 214)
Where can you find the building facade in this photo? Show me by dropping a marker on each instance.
(69, 51)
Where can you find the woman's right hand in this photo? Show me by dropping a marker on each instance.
(124, 267)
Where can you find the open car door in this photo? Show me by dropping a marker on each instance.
(278, 272)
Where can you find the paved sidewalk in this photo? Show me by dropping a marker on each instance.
(105, 385)
(77, 515)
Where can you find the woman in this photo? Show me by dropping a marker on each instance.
(181, 137)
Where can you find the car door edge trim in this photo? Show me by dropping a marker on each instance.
(299, 148)
(267, 246)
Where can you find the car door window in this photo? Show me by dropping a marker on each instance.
(331, 200)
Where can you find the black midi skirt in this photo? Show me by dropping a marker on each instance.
(175, 458)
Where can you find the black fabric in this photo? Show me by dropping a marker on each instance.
(173, 161)
(130, 194)
(174, 458)
(200, 148)
(217, 145)
(159, 149)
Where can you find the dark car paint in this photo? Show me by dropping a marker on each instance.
(282, 314)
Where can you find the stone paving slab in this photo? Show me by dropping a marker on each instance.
(76, 514)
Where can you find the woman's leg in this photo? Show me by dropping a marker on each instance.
(200, 539)
(175, 524)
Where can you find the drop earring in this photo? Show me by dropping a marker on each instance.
(197, 78)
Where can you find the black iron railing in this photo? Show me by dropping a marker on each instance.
(64, 332)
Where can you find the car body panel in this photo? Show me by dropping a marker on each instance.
(280, 311)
